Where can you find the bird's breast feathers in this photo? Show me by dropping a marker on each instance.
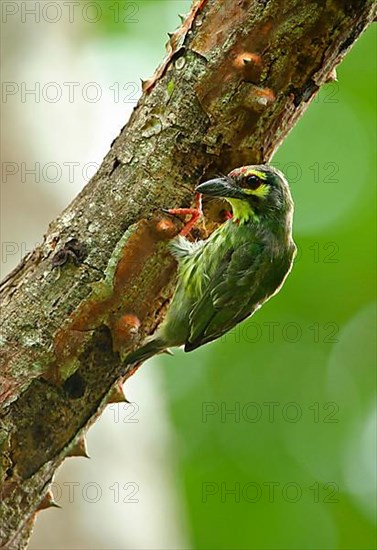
(198, 262)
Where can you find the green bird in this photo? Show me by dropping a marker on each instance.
(227, 277)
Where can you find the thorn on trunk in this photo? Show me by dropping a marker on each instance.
(47, 502)
(79, 448)
(333, 77)
(264, 96)
(125, 329)
(144, 84)
(117, 394)
(247, 58)
(166, 227)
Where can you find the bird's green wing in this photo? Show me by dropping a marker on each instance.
(231, 296)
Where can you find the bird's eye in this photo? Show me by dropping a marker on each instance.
(252, 182)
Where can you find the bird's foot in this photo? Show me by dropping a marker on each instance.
(195, 214)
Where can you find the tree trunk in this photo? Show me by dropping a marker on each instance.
(237, 76)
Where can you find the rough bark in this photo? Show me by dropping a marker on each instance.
(238, 75)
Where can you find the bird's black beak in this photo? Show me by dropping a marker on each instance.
(219, 187)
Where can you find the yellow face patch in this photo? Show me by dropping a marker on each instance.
(261, 191)
(242, 211)
(255, 187)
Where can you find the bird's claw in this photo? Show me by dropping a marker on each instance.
(195, 214)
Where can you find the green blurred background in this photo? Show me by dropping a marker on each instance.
(265, 439)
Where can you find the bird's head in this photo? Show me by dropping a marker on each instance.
(254, 192)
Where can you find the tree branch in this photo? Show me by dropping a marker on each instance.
(237, 77)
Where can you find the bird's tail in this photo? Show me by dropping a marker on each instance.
(151, 347)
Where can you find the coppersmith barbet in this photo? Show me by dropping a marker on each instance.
(226, 278)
